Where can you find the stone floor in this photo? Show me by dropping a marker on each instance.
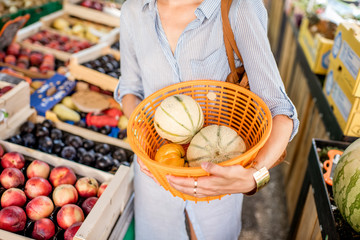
(264, 214)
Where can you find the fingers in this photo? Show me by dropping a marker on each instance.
(214, 169)
(145, 170)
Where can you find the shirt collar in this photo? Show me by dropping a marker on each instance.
(206, 8)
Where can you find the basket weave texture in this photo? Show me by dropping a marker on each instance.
(222, 103)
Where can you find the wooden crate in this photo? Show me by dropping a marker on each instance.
(34, 28)
(98, 224)
(110, 37)
(16, 103)
(73, 8)
(94, 77)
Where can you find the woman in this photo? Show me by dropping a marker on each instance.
(164, 42)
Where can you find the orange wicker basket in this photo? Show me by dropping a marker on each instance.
(223, 103)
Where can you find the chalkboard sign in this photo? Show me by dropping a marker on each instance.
(10, 79)
(10, 29)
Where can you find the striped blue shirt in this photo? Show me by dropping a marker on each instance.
(148, 64)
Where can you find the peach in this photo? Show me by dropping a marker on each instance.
(39, 207)
(64, 194)
(102, 188)
(13, 197)
(44, 229)
(62, 175)
(88, 204)
(71, 231)
(87, 187)
(38, 168)
(11, 178)
(37, 186)
(68, 215)
(13, 159)
(12, 219)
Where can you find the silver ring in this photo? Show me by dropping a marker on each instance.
(195, 183)
(194, 191)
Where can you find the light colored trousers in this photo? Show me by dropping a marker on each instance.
(160, 216)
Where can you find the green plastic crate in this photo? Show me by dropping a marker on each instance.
(35, 12)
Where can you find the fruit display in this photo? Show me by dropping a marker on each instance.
(80, 28)
(8, 6)
(106, 64)
(110, 121)
(24, 58)
(98, 5)
(57, 41)
(51, 202)
(345, 185)
(47, 138)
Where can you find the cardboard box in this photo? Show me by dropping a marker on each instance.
(342, 83)
(74, 8)
(107, 34)
(99, 223)
(345, 58)
(92, 76)
(316, 48)
(51, 93)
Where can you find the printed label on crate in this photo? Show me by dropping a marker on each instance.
(341, 101)
(350, 60)
(325, 60)
(329, 81)
(337, 45)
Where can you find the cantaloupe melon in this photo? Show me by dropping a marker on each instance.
(178, 118)
(216, 144)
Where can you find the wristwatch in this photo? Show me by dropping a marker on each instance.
(261, 177)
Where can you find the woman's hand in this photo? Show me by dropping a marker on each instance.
(222, 180)
(145, 170)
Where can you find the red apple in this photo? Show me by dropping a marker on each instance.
(13, 159)
(2, 151)
(36, 58)
(2, 56)
(6, 89)
(11, 177)
(62, 175)
(68, 215)
(102, 188)
(12, 219)
(22, 65)
(37, 186)
(88, 204)
(34, 69)
(71, 231)
(86, 3)
(87, 187)
(39, 207)
(64, 194)
(13, 49)
(10, 59)
(44, 229)
(13, 197)
(38, 168)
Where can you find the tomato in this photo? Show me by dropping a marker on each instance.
(171, 154)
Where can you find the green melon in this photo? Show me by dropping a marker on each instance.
(346, 185)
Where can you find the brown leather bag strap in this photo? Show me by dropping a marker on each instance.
(231, 47)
